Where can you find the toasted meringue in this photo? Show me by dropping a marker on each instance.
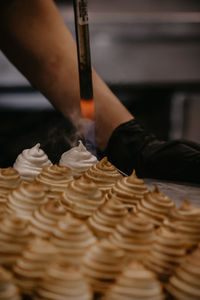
(9, 180)
(62, 281)
(72, 238)
(101, 265)
(134, 235)
(106, 217)
(78, 159)
(186, 222)
(129, 190)
(56, 179)
(166, 253)
(26, 198)
(44, 218)
(30, 163)
(31, 266)
(185, 283)
(135, 282)
(155, 207)
(104, 174)
(8, 289)
(14, 236)
(82, 197)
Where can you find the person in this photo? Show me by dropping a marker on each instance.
(36, 40)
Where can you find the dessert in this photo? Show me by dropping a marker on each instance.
(31, 266)
(101, 265)
(104, 220)
(14, 236)
(134, 236)
(185, 283)
(82, 197)
(129, 190)
(56, 179)
(30, 163)
(104, 174)
(45, 218)
(62, 281)
(78, 159)
(72, 238)
(25, 199)
(9, 180)
(135, 282)
(155, 207)
(166, 253)
(186, 222)
(8, 290)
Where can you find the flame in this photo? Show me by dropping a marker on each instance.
(87, 109)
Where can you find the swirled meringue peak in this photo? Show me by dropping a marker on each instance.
(45, 218)
(62, 281)
(30, 163)
(155, 207)
(25, 199)
(9, 180)
(104, 220)
(104, 174)
(129, 190)
(78, 159)
(8, 289)
(72, 238)
(166, 253)
(185, 283)
(56, 178)
(134, 236)
(186, 222)
(82, 197)
(135, 282)
(101, 265)
(31, 266)
(14, 236)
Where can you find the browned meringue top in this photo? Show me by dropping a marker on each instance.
(44, 218)
(26, 198)
(155, 207)
(129, 190)
(106, 217)
(72, 238)
(56, 178)
(135, 282)
(9, 180)
(166, 253)
(31, 266)
(101, 264)
(62, 281)
(134, 235)
(185, 283)
(186, 222)
(8, 290)
(82, 197)
(104, 174)
(14, 235)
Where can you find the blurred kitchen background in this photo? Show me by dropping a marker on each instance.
(148, 51)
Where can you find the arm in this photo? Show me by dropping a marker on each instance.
(36, 40)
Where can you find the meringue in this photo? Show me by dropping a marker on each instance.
(104, 220)
(78, 159)
(30, 163)
(82, 197)
(9, 180)
(62, 281)
(103, 174)
(129, 190)
(135, 282)
(8, 289)
(72, 238)
(101, 265)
